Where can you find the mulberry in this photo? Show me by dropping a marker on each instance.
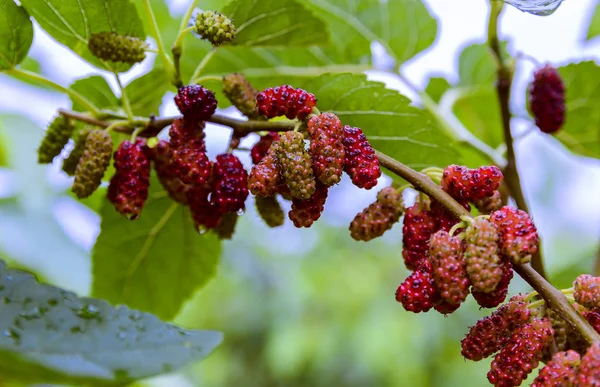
(305, 212)
(285, 101)
(196, 102)
(93, 163)
(547, 99)
(561, 371)
(226, 228)
(57, 136)
(491, 333)
(587, 291)
(483, 262)
(378, 217)
(518, 235)
(205, 214)
(214, 27)
(187, 133)
(326, 148)
(490, 204)
(417, 228)
(418, 292)
(262, 146)
(161, 156)
(128, 189)
(521, 353)
(70, 163)
(463, 183)
(498, 295)
(296, 165)
(449, 268)
(589, 367)
(241, 94)
(231, 184)
(265, 177)
(270, 211)
(361, 163)
(113, 47)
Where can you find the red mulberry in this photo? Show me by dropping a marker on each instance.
(285, 101)
(490, 204)
(195, 102)
(449, 268)
(463, 183)
(378, 217)
(561, 371)
(161, 156)
(326, 132)
(262, 146)
(231, 184)
(361, 163)
(518, 235)
(305, 212)
(128, 189)
(491, 333)
(589, 367)
(417, 228)
(547, 99)
(418, 292)
(265, 177)
(205, 214)
(521, 354)
(587, 291)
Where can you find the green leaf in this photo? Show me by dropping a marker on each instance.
(156, 262)
(145, 93)
(436, 87)
(391, 124)
(53, 336)
(97, 91)
(536, 7)
(581, 132)
(72, 22)
(478, 109)
(594, 27)
(275, 23)
(477, 65)
(16, 34)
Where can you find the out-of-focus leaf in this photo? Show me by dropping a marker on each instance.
(72, 22)
(477, 65)
(53, 336)
(436, 87)
(391, 124)
(16, 34)
(96, 90)
(156, 262)
(581, 132)
(145, 93)
(478, 109)
(594, 26)
(276, 23)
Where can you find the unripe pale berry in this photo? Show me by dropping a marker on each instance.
(113, 47)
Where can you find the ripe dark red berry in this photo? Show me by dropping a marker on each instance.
(361, 164)
(561, 371)
(464, 183)
(161, 156)
(195, 102)
(378, 217)
(417, 228)
(231, 184)
(587, 291)
(418, 292)
(326, 148)
(547, 99)
(521, 354)
(285, 101)
(189, 161)
(518, 235)
(491, 333)
(260, 149)
(187, 133)
(305, 212)
(205, 214)
(128, 189)
(449, 267)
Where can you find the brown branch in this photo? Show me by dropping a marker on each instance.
(503, 86)
(555, 299)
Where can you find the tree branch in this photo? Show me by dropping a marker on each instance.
(503, 86)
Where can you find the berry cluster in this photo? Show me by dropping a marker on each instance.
(214, 27)
(110, 46)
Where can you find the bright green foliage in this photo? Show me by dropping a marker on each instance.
(48, 336)
(72, 22)
(580, 133)
(97, 91)
(155, 263)
(594, 26)
(436, 88)
(145, 93)
(276, 23)
(386, 117)
(16, 34)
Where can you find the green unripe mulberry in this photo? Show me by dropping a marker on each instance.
(113, 47)
(296, 165)
(95, 159)
(214, 27)
(269, 210)
(484, 264)
(70, 163)
(57, 135)
(241, 94)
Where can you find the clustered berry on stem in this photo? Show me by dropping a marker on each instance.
(547, 99)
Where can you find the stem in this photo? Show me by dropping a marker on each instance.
(80, 99)
(202, 64)
(124, 99)
(166, 61)
(503, 86)
(177, 47)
